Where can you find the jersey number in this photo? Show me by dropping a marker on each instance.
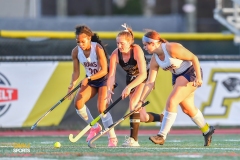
(93, 71)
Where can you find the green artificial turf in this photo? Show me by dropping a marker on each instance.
(178, 147)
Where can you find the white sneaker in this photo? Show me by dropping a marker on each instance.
(130, 142)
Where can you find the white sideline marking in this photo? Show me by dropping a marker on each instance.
(36, 136)
(161, 148)
(189, 156)
(175, 141)
(235, 149)
(47, 142)
(89, 157)
(144, 148)
(28, 158)
(233, 140)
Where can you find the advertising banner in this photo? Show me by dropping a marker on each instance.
(30, 89)
(218, 98)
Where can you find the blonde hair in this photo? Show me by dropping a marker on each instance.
(128, 33)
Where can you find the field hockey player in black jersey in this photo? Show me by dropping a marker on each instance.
(131, 58)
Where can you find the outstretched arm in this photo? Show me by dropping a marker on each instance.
(150, 82)
(112, 74)
(76, 71)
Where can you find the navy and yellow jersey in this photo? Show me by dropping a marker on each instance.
(130, 67)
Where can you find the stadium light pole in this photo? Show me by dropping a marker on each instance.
(190, 9)
(33, 8)
(61, 8)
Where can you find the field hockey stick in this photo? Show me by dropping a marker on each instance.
(90, 143)
(75, 139)
(71, 92)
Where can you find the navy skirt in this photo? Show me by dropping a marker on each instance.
(189, 74)
(98, 82)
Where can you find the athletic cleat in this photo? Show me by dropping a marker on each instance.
(112, 142)
(94, 132)
(208, 136)
(158, 139)
(130, 142)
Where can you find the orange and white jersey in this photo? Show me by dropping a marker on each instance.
(90, 63)
(176, 66)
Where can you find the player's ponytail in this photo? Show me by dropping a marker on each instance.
(95, 38)
(128, 33)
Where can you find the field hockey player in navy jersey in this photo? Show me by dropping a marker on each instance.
(186, 78)
(91, 54)
(131, 58)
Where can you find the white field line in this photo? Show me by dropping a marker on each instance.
(157, 148)
(232, 140)
(36, 136)
(162, 148)
(147, 148)
(25, 158)
(189, 156)
(48, 142)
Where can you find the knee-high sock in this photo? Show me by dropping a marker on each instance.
(85, 114)
(134, 125)
(199, 120)
(168, 120)
(107, 121)
(153, 117)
